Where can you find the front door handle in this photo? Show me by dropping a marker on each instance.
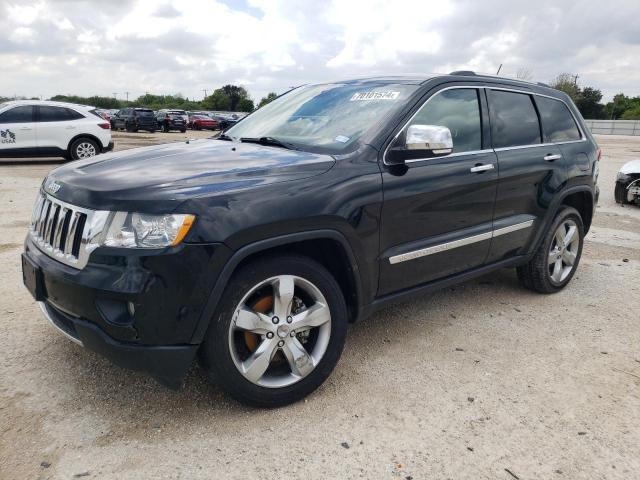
(25, 128)
(481, 168)
(551, 157)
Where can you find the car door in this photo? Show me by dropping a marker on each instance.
(437, 212)
(531, 172)
(17, 130)
(55, 127)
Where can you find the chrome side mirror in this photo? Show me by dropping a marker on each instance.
(434, 138)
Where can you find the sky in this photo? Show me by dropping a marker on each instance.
(107, 47)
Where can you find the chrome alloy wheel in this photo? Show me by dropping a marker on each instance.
(85, 150)
(563, 251)
(280, 331)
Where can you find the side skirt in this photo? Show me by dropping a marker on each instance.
(414, 292)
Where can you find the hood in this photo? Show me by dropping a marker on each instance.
(177, 172)
(631, 167)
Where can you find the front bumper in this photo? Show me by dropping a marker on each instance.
(138, 309)
(167, 364)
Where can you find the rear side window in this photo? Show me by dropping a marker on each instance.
(58, 114)
(23, 114)
(557, 122)
(514, 120)
(459, 111)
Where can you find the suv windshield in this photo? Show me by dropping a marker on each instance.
(324, 118)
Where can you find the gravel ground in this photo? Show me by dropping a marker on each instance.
(484, 380)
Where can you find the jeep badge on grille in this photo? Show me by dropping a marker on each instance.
(53, 187)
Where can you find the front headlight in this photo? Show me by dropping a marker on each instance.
(140, 230)
(622, 177)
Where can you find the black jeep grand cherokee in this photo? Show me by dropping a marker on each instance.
(255, 250)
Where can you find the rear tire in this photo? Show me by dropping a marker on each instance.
(556, 259)
(83, 148)
(294, 360)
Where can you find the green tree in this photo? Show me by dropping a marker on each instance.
(566, 82)
(269, 98)
(235, 94)
(218, 100)
(588, 102)
(245, 105)
(616, 108)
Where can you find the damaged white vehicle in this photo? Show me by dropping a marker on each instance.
(628, 183)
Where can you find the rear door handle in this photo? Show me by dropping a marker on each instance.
(70, 128)
(25, 128)
(481, 168)
(552, 157)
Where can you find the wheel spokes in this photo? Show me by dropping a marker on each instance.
(557, 270)
(559, 236)
(252, 321)
(283, 289)
(315, 316)
(300, 362)
(258, 362)
(569, 257)
(553, 256)
(570, 235)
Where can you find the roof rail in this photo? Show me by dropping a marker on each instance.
(463, 72)
(542, 84)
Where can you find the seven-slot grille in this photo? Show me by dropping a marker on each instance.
(57, 228)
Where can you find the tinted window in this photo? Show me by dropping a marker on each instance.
(58, 114)
(514, 119)
(457, 110)
(22, 114)
(557, 121)
(144, 113)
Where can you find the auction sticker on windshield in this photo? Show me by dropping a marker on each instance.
(359, 96)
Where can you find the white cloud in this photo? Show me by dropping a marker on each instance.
(97, 47)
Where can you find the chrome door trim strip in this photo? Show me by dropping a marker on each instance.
(442, 247)
(423, 252)
(512, 228)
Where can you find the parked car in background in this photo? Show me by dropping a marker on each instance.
(172, 120)
(41, 128)
(628, 183)
(225, 121)
(134, 119)
(203, 122)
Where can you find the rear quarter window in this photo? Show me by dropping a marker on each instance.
(514, 120)
(557, 122)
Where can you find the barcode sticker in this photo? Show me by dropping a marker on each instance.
(360, 96)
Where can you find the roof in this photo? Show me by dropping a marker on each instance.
(46, 103)
(460, 75)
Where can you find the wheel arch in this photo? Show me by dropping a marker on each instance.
(579, 197)
(328, 247)
(85, 135)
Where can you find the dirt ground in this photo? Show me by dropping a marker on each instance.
(484, 380)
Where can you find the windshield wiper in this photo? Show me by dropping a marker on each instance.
(274, 142)
(224, 136)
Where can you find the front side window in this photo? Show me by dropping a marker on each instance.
(23, 114)
(514, 120)
(459, 111)
(557, 122)
(328, 118)
(58, 114)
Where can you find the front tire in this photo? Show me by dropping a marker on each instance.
(83, 148)
(556, 260)
(278, 332)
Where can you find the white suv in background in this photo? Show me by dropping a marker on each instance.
(34, 128)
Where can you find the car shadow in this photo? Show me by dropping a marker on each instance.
(109, 389)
